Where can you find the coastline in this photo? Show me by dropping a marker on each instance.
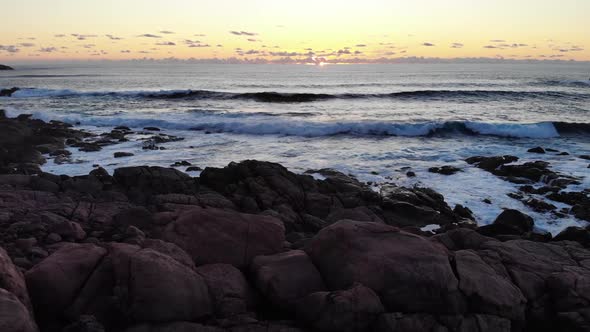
(253, 246)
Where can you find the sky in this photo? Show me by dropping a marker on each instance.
(294, 31)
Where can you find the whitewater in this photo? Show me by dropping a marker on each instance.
(377, 122)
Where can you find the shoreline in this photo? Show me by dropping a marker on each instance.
(257, 247)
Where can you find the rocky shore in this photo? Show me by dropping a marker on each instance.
(255, 247)
(5, 67)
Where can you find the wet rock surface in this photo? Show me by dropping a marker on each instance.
(255, 247)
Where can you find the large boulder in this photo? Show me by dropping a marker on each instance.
(354, 309)
(229, 289)
(409, 272)
(286, 277)
(418, 322)
(66, 271)
(514, 218)
(14, 315)
(487, 291)
(141, 182)
(12, 280)
(217, 236)
(162, 290)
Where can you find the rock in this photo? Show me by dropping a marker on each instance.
(169, 249)
(142, 182)
(360, 213)
(286, 277)
(122, 128)
(12, 281)
(584, 156)
(193, 169)
(444, 170)
(391, 322)
(538, 149)
(85, 323)
(487, 291)
(217, 236)
(491, 163)
(416, 206)
(4, 67)
(181, 163)
(174, 327)
(8, 92)
(463, 212)
(410, 273)
(410, 174)
(229, 289)
(151, 128)
(14, 315)
(69, 230)
(122, 154)
(577, 234)
(66, 271)
(354, 309)
(515, 219)
(164, 290)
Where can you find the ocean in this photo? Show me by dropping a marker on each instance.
(376, 122)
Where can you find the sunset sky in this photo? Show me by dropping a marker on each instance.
(278, 30)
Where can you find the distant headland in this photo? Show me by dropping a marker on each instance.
(3, 67)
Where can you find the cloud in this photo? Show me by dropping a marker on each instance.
(284, 54)
(9, 48)
(26, 44)
(390, 53)
(253, 40)
(361, 45)
(457, 45)
(200, 35)
(345, 51)
(48, 49)
(166, 44)
(358, 52)
(166, 32)
(125, 51)
(497, 41)
(149, 35)
(111, 37)
(490, 46)
(428, 44)
(61, 35)
(243, 33)
(200, 45)
(82, 37)
(219, 45)
(88, 46)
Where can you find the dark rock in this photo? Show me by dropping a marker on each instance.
(444, 170)
(410, 174)
(539, 205)
(193, 169)
(538, 149)
(463, 212)
(491, 163)
(151, 128)
(515, 219)
(181, 163)
(216, 236)
(286, 277)
(15, 317)
(229, 289)
(577, 234)
(4, 67)
(8, 92)
(563, 154)
(354, 309)
(85, 323)
(411, 273)
(123, 128)
(122, 154)
(584, 156)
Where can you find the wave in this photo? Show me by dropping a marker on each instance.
(282, 97)
(575, 83)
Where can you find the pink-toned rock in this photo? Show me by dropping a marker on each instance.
(14, 315)
(174, 327)
(409, 272)
(162, 290)
(228, 288)
(54, 283)
(169, 249)
(217, 236)
(487, 291)
(12, 280)
(354, 309)
(286, 277)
